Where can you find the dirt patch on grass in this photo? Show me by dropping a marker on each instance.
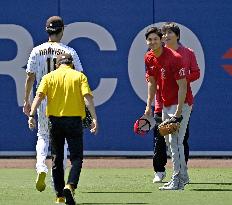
(119, 163)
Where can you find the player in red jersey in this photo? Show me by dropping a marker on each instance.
(164, 68)
(171, 36)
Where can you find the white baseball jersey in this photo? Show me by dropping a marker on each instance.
(42, 60)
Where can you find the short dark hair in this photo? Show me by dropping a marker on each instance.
(155, 30)
(64, 58)
(54, 25)
(173, 27)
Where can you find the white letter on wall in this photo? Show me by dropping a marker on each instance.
(14, 68)
(105, 41)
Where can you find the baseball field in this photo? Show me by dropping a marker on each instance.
(121, 181)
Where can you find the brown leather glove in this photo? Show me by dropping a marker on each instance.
(169, 126)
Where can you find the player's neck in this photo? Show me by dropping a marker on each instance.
(53, 39)
(158, 51)
(173, 46)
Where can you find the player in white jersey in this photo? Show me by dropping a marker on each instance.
(42, 60)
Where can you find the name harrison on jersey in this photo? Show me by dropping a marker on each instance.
(51, 51)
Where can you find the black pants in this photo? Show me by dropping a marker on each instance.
(71, 129)
(160, 153)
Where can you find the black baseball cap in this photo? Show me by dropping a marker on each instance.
(54, 23)
(64, 58)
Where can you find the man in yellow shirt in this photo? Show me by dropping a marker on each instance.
(65, 89)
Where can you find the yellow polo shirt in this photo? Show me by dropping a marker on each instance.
(65, 89)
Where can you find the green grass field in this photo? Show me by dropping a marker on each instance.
(121, 186)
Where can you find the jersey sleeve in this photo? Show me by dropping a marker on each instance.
(194, 71)
(85, 89)
(32, 63)
(76, 61)
(179, 71)
(150, 69)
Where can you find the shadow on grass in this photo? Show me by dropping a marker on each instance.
(210, 189)
(113, 203)
(117, 192)
(213, 183)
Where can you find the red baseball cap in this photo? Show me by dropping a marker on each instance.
(144, 124)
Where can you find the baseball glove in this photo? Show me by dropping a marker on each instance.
(86, 122)
(170, 125)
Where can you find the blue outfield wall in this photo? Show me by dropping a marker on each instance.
(109, 38)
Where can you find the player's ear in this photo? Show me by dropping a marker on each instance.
(57, 65)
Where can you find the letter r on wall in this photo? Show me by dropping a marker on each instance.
(14, 68)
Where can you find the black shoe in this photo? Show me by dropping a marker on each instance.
(69, 197)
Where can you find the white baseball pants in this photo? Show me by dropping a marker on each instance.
(175, 141)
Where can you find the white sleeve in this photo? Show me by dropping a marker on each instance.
(76, 61)
(31, 64)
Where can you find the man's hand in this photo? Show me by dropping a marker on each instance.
(31, 123)
(170, 126)
(178, 113)
(26, 108)
(94, 127)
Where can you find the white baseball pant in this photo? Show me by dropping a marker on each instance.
(175, 141)
(43, 141)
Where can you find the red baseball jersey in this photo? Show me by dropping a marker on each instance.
(190, 63)
(192, 69)
(167, 69)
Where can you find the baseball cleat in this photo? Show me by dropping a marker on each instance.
(159, 176)
(170, 188)
(167, 183)
(60, 200)
(40, 181)
(173, 185)
(69, 195)
(186, 181)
